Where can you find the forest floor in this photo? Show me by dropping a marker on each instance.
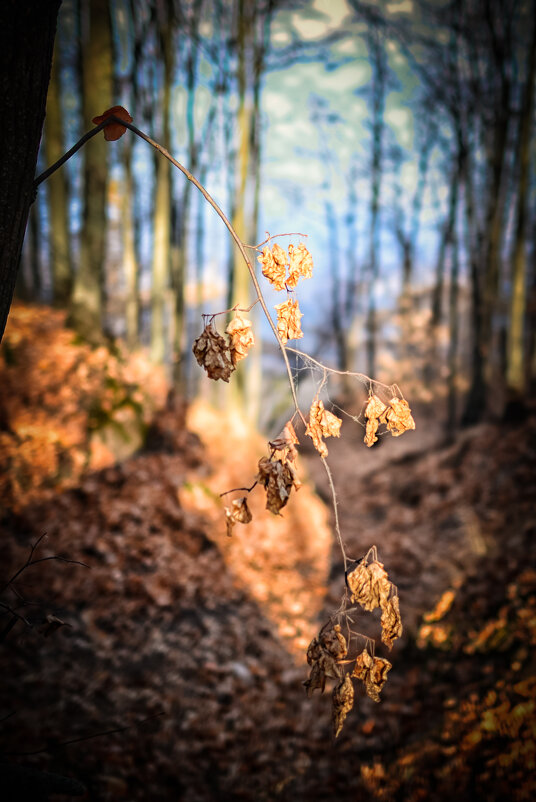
(170, 665)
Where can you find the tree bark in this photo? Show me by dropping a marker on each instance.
(59, 236)
(88, 297)
(27, 31)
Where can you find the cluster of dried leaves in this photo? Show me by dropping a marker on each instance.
(370, 587)
(218, 356)
(328, 652)
(275, 264)
(284, 270)
(276, 473)
(396, 414)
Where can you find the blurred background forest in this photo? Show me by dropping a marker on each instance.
(396, 139)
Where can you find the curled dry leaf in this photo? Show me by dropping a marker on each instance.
(238, 512)
(369, 585)
(343, 701)
(374, 414)
(372, 671)
(113, 130)
(300, 264)
(212, 353)
(274, 266)
(278, 478)
(399, 417)
(322, 423)
(314, 651)
(334, 642)
(241, 338)
(324, 667)
(391, 621)
(288, 320)
(286, 439)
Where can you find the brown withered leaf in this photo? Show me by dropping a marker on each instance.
(238, 512)
(334, 642)
(398, 417)
(372, 671)
(380, 587)
(343, 701)
(375, 414)
(314, 651)
(241, 338)
(274, 264)
(363, 664)
(369, 585)
(377, 677)
(301, 264)
(288, 320)
(285, 439)
(317, 679)
(391, 621)
(322, 423)
(212, 353)
(358, 581)
(278, 480)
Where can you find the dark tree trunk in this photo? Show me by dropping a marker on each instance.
(27, 31)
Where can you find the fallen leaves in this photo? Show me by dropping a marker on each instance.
(396, 415)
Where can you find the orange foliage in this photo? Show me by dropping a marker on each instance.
(58, 396)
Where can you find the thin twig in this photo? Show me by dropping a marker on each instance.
(236, 489)
(50, 747)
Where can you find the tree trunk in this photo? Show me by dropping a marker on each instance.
(130, 262)
(162, 209)
(515, 355)
(87, 303)
(27, 31)
(58, 196)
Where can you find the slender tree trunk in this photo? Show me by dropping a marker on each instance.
(162, 209)
(130, 262)
(378, 106)
(88, 299)
(516, 351)
(454, 329)
(58, 193)
(27, 31)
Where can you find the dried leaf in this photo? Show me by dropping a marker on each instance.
(399, 418)
(369, 585)
(274, 264)
(113, 130)
(372, 671)
(391, 621)
(363, 665)
(51, 624)
(212, 353)
(322, 423)
(286, 439)
(278, 480)
(343, 701)
(241, 338)
(288, 320)
(314, 651)
(238, 512)
(377, 677)
(334, 642)
(301, 264)
(317, 679)
(374, 413)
